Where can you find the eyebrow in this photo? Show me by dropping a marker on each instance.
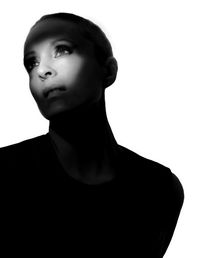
(53, 42)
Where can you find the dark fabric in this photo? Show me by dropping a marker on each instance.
(133, 215)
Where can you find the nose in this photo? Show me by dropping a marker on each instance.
(45, 71)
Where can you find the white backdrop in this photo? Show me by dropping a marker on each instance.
(153, 107)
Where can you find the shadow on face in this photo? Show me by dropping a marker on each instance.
(64, 71)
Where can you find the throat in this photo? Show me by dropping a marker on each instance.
(95, 173)
(94, 180)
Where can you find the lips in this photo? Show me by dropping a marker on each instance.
(53, 90)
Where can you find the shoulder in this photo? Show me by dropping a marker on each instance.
(23, 149)
(141, 164)
(25, 143)
(150, 175)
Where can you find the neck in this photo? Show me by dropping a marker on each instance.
(84, 133)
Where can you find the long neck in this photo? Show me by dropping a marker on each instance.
(84, 130)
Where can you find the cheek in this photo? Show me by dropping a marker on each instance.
(72, 71)
(79, 72)
(35, 90)
(32, 89)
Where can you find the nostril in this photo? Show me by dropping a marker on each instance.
(45, 75)
(50, 73)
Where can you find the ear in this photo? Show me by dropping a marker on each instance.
(110, 69)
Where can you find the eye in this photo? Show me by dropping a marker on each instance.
(30, 63)
(63, 49)
(60, 49)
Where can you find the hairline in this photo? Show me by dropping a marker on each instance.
(85, 29)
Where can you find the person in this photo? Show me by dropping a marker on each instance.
(76, 180)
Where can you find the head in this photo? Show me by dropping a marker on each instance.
(69, 61)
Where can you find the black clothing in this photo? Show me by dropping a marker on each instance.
(133, 215)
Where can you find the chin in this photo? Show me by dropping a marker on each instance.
(60, 109)
(53, 113)
(57, 112)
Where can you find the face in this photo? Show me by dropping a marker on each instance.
(63, 71)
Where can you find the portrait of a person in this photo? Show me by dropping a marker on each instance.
(107, 199)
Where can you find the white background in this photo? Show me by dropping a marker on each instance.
(153, 107)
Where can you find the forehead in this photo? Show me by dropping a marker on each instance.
(55, 28)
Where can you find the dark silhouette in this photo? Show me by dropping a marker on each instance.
(76, 181)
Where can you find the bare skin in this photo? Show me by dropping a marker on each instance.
(79, 129)
(85, 146)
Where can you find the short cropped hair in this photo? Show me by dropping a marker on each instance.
(90, 31)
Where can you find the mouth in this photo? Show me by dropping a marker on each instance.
(51, 92)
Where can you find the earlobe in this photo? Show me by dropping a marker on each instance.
(111, 68)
